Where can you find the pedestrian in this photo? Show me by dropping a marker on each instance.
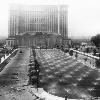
(4, 56)
(85, 59)
(76, 55)
(31, 74)
(71, 52)
(33, 50)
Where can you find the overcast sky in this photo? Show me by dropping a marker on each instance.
(83, 15)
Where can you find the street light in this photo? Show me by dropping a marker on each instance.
(37, 71)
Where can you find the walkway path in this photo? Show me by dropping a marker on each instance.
(14, 78)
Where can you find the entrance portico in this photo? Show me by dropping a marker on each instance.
(10, 42)
(40, 39)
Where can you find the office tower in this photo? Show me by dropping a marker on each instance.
(50, 19)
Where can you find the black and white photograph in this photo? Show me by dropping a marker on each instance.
(50, 50)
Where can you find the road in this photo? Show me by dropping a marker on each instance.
(62, 75)
(13, 78)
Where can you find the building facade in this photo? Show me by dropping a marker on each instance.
(36, 39)
(45, 19)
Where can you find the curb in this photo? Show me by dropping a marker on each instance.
(42, 94)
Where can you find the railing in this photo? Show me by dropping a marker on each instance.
(85, 58)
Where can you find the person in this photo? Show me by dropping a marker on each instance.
(71, 52)
(85, 59)
(34, 53)
(76, 55)
(31, 74)
(4, 56)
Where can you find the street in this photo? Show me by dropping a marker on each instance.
(13, 78)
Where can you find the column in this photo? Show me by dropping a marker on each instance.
(29, 18)
(49, 20)
(58, 20)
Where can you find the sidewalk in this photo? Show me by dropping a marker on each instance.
(17, 91)
(45, 95)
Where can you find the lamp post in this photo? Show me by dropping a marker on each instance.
(65, 97)
(30, 72)
(37, 71)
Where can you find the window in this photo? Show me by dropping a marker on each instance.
(8, 42)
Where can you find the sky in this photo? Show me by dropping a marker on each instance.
(83, 15)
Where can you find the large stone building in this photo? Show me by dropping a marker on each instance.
(33, 20)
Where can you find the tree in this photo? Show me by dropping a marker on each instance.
(96, 40)
(87, 50)
(94, 52)
(76, 55)
(1, 44)
(98, 63)
(71, 52)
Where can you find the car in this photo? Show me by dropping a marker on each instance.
(21, 51)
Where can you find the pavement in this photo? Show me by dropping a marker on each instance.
(14, 81)
(45, 95)
(62, 75)
(14, 77)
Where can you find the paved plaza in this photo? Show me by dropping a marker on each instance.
(59, 75)
(62, 75)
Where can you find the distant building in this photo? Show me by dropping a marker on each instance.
(50, 19)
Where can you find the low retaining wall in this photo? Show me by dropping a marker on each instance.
(86, 58)
(6, 61)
